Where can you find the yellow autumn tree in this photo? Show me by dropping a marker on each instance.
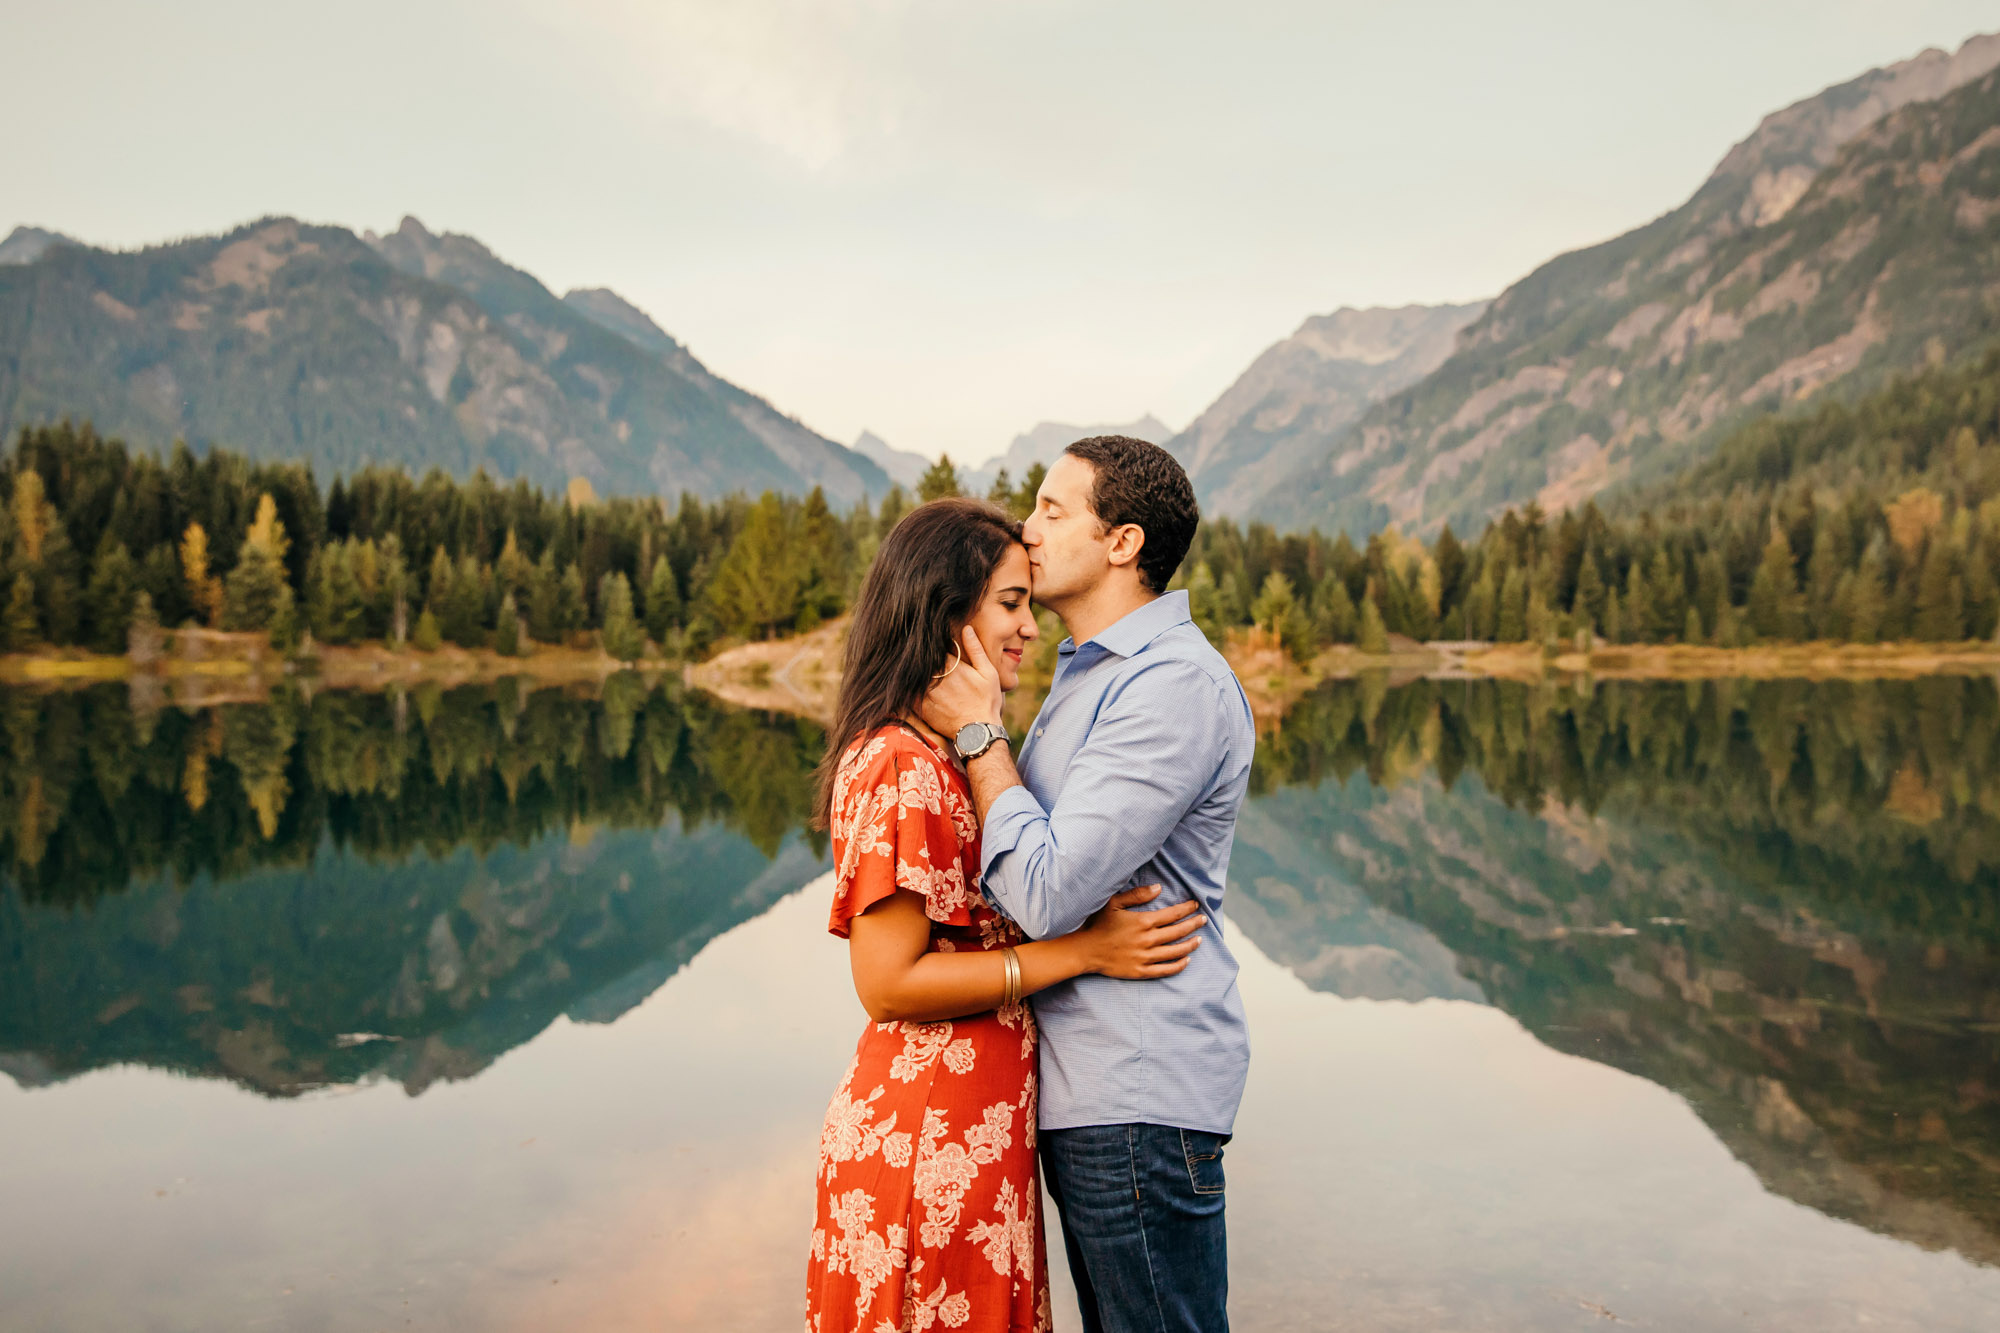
(204, 589)
(31, 514)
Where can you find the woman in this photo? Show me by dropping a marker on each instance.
(928, 1212)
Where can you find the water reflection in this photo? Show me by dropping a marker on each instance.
(321, 890)
(1779, 901)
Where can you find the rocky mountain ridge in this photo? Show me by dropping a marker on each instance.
(1306, 388)
(1850, 236)
(292, 341)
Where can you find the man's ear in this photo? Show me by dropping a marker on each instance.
(1127, 540)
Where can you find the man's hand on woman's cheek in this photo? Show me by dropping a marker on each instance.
(971, 693)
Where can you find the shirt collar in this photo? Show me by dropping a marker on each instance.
(1136, 629)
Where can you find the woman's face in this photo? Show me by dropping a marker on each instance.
(1003, 620)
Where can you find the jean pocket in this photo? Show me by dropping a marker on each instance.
(1204, 1160)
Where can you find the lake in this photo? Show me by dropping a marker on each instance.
(1670, 1006)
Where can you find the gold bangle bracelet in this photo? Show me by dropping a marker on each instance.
(1011, 990)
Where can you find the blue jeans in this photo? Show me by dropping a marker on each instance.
(1141, 1209)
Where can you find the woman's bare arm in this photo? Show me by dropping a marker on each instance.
(899, 978)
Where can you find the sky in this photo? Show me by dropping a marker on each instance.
(943, 221)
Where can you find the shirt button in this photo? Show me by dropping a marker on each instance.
(1040, 730)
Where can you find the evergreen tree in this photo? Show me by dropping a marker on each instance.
(1277, 612)
(1024, 497)
(1940, 614)
(21, 626)
(1614, 618)
(894, 505)
(143, 640)
(622, 638)
(572, 612)
(545, 618)
(1333, 611)
(1638, 608)
(1373, 636)
(512, 570)
(757, 588)
(1205, 604)
(663, 602)
(1711, 592)
(1511, 626)
(257, 587)
(1589, 600)
(1773, 608)
(507, 629)
(1667, 596)
(113, 588)
(1691, 631)
(464, 618)
(334, 603)
(1868, 596)
(1001, 492)
(427, 637)
(939, 482)
(1449, 560)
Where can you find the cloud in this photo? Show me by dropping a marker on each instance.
(806, 79)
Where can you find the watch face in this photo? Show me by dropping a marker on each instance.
(969, 736)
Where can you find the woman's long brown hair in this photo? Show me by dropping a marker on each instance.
(926, 582)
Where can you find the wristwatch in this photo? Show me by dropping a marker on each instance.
(976, 738)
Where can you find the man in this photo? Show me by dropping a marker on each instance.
(1133, 774)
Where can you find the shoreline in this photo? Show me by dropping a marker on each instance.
(800, 674)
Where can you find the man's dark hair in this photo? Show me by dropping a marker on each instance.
(1141, 483)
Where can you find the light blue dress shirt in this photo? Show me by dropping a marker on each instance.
(1133, 774)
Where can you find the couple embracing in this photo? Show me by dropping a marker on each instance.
(1038, 940)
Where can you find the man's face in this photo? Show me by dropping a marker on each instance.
(1067, 546)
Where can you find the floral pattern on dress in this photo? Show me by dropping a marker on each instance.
(927, 1184)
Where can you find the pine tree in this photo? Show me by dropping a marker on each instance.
(1711, 592)
(1024, 497)
(758, 586)
(1868, 596)
(22, 625)
(507, 629)
(1277, 612)
(1512, 623)
(1374, 635)
(1449, 560)
(335, 606)
(1205, 604)
(1614, 618)
(256, 587)
(1001, 492)
(109, 598)
(663, 602)
(1773, 607)
(621, 628)
(894, 505)
(426, 637)
(1667, 595)
(1691, 631)
(511, 570)
(941, 481)
(1333, 611)
(545, 618)
(1638, 606)
(572, 612)
(1589, 600)
(143, 640)
(1940, 595)
(471, 598)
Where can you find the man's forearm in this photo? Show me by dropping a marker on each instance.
(989, 775)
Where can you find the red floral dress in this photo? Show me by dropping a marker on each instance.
(928, 1213)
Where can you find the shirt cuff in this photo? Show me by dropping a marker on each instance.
(1007, 821)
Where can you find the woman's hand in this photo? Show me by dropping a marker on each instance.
(1135, 945)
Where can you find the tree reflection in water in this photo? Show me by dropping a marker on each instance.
(1779, 899)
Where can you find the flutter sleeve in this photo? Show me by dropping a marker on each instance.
(892, 830)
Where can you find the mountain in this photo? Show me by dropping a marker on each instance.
(291, 341)
(1851, 236)
(24, 245)
(904, 468)
(1307, 388)
(1045, 443)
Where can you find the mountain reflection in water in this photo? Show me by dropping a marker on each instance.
(1780, 900)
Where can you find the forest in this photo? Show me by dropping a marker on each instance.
(1865, 522)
